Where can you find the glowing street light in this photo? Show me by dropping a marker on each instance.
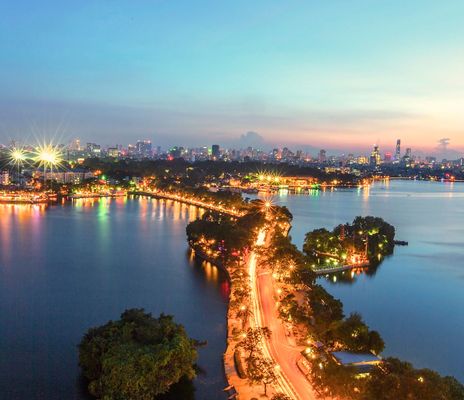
(17, 156)
(48, 156)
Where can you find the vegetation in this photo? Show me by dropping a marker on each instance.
(366, 240)
(179, 171)
(399, 380)
(223, 237)
(323, 319)
(253, 339)
(136, 357)
(320, 314)
(392, 380)
(261, 370)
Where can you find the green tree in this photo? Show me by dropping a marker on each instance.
(136, 357)
(356, 336)
(253, 340)
(400, 380)
(261, 370)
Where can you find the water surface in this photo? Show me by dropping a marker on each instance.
(69, 267)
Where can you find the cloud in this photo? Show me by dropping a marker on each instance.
(252, 139)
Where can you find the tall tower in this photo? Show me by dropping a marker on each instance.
(398, 150)
(375, 156)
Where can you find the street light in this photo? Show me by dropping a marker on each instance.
(48, 156)
(17, 157)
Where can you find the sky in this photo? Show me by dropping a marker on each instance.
(334, 74)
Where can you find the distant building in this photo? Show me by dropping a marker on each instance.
(113, 152)
(143, 148)
(215, 153)
(72, 176)
(4, 178)
(387, 157)
(176, 152)
(398, 150)
(375, 156)
(93, 149)
(322, 156)
(75, 145)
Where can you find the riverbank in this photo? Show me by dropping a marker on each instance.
(237, 385)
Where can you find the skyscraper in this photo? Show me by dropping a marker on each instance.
(215, 151)
(375, 156)
(398, 150)
(143, 148)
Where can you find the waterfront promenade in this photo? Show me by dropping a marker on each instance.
(188, 200)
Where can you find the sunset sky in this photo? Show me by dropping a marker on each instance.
(338, 74)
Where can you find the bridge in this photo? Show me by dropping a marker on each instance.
(158, 194)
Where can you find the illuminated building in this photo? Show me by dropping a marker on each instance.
(66, 176)
(143, 148)
(215, 151)
(113, 152)
(398, 150)
(93, 149)
(375, 156)
(4, 178)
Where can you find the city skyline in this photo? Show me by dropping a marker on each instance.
(337, 76)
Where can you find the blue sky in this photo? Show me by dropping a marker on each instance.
(334, 74)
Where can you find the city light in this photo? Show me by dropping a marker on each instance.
(18, 156)
(48, 156)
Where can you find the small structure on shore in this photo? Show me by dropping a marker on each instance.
(363, 362)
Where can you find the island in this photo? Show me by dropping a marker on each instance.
(136, 357)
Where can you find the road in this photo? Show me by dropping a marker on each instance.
(282, 352)
(290, 380)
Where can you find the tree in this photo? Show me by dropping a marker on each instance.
(280, 396)
(253, 339)
(261, 370)
(400, 380)
(136, 357)
(244, 313)
(356, 336)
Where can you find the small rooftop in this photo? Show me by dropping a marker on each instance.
(349, 358)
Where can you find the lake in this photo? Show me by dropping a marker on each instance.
(66, 268)
(415, 298)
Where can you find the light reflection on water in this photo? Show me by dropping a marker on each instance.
(69, 267)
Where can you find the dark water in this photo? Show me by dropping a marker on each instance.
(416, 297)
(67, 268)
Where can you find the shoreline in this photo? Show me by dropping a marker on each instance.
(236, 385)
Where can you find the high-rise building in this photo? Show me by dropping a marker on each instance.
(93, 149)
(4, 178)
(407, 157)
(113, 152)
(75, 145)
(215, 151)
(143, 148)
(398, 150)
(322, 156)
(375, 156)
